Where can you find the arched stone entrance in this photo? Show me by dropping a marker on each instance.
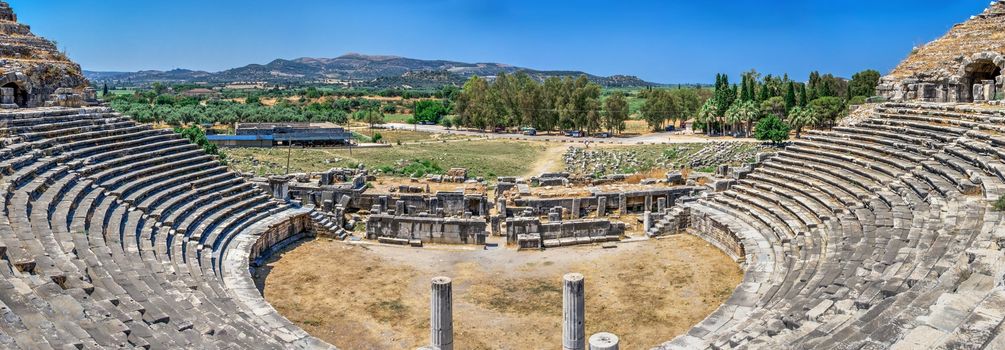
(982, 80)
(13, 95)
(981, 77)
(15, 91)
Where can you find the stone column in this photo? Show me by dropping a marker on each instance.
(661, 204)
(382, 201)
(431, 204)
(555, 214)
(575, 209)
(441, 319)
(280, 186)
(601, 206)
(604, 341)
(647, 221)
(978, 94)
(573, 312)
(399, 208)
(649, 203)
(501, 208)
(623, 205)
(7, 96)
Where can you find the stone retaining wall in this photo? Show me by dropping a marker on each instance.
(718, 234)
(279, 235)
(427, 229)
(574, 231)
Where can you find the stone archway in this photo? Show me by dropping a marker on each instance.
(981, 77)
(13, 93)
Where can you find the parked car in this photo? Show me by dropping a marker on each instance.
(603, 135)
(573, 133)
(670, 128)
(499, 130)
(530, 132)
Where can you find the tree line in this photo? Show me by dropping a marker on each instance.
(554, 104)
(821, 101)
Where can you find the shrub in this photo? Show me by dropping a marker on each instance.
(772, 129)
(999, 204)
(377, 137)
(857, 100)
(430, 111)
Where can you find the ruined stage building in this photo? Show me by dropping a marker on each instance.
(277, 134)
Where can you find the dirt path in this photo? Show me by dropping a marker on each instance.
(548, 161)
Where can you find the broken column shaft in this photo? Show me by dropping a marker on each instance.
(604, 341)
(573, 312)
(441, 319)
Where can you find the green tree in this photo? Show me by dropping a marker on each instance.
(864, 83)
(802, 117)
(616, 112)
(829, 109)
(371, 116)
(473, 104)
(705, 119)
(659, 107)
(790, 96)
(104, 90)
(158, 88)
(722, 98)
(688, 102)
(429, 111)
(772, 129)
(774, 105)
(741, 113)
(803, 98)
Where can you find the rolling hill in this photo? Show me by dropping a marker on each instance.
(357, 69)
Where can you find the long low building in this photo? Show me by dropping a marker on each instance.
(273, 134)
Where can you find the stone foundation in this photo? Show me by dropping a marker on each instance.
(427, 229)
(531, 233)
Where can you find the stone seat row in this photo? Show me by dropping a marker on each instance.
(854, 236)
(125, 225)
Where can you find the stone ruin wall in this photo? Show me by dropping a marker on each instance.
(718, 234)
(634, 201)
(35, 72)
(944, 69)
(588, 228)
(279, 235)
(427, 229)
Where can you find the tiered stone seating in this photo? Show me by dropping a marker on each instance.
(113, 235)
(875, 235)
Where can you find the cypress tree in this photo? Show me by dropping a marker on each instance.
(803, 99)
(790, 96)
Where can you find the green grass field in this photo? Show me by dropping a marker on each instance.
(488, 158)
(120, 92)
(397, 118)
(397, 136)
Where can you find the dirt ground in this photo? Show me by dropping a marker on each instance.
(377, 297)
(548, 161)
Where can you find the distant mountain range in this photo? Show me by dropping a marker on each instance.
(352, 69)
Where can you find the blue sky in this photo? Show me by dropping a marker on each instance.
(662, 41)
